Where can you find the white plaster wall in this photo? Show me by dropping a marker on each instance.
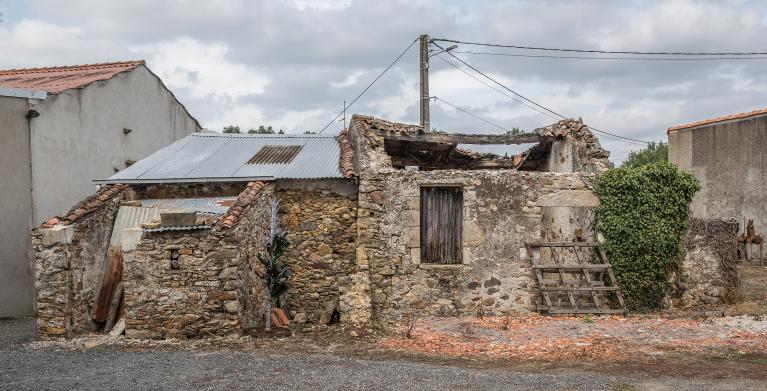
(15, 209)
(79, 135)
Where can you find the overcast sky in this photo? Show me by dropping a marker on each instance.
(290, 64)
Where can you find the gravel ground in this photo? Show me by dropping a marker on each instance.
(109, 368)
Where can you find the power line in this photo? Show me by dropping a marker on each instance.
(369, 85)
(531, 101)
(610, 58)
(496, 89)
(601, 51)
(469, 113)
(500, 84)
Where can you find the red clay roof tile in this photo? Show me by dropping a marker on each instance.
(57, 79)
(345, 161)
(717, 119)
(87, 205)
(246, 197)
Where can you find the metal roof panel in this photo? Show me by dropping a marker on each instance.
(217, 156)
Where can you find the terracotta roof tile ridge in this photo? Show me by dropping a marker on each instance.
(244, 199)
(346, 160)
(87, 205)
(717, 119)
(101, 65)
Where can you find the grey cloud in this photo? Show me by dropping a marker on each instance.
(303, 52)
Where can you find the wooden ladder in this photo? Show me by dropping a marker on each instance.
(584, 294)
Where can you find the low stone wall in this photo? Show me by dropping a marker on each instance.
(69, 265)
(214, 290)
(322, 230)
(500, 214)
(710, 274)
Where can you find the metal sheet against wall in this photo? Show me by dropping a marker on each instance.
(131, 217)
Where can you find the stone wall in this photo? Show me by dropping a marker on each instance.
(710, 275)
(215, 290)
(187, 190)
(69, 265)
(500, 214)
(322, 230)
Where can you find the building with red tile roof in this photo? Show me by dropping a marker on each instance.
(62, 126)
(714, 120)
(54, 80)
(727, 155)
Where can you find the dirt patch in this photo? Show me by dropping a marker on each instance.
(713, 348)
(588, 341)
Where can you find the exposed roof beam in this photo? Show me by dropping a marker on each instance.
(458, 138)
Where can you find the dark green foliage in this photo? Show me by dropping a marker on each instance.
(276, 273)
(264, 130)
(643, 215)
(515, 131)
(654, 152)
(232, 129)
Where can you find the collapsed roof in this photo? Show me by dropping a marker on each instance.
(408, 145)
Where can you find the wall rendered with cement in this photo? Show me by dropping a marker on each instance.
(729, 161)
(79, 135)
(16, 209)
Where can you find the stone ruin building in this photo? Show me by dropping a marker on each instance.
(384, 220)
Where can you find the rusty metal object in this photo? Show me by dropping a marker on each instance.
(749, 238)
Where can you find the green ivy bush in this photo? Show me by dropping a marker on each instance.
(643, 216)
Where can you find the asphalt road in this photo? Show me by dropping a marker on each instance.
(109, 368)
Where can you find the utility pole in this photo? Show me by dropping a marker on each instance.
(425, 83)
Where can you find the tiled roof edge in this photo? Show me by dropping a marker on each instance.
(118, 64)
(87, 205)
(717, 119)
(244, 199)
(346, 159)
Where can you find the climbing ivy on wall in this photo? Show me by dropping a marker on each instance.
(643, 216)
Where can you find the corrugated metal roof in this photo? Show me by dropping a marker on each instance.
(207, 205)
(211, 157)
(178, 228)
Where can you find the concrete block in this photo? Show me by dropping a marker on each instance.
(58, 234)
(129, 238)
(178, 218)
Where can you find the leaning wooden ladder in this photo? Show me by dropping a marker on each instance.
(582, 293)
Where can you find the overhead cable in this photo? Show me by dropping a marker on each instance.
(368, 87)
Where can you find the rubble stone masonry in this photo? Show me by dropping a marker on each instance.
(500, 214)
(69, 263)
(214, 290)
(322, 230)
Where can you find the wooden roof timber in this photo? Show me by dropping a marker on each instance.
(458, 138)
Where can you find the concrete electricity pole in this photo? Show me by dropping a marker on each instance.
(425, 83)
